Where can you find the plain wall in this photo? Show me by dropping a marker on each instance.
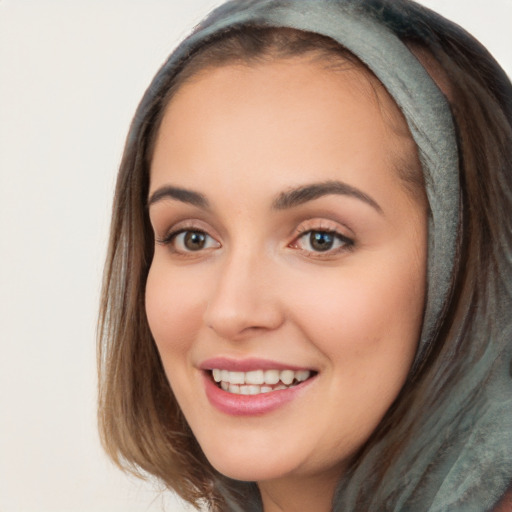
(71, 74)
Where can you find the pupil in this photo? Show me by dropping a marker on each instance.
(321, 241)
(194, 240)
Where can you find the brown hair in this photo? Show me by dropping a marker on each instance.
(141, 425)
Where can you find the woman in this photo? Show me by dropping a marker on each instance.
(307, 294)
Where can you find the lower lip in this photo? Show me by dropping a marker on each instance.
(250, 405)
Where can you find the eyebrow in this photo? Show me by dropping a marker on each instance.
(179, 194)
(288, 199)
(303, 194)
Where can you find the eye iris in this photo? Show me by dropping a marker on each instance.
(321, 240)
(194, 240)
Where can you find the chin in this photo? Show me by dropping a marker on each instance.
(252, 467)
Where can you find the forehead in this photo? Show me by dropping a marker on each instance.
(278, 109)
(297, 72)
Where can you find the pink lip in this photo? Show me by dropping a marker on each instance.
(250, 405)
(246, 365)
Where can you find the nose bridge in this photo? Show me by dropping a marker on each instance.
(243, 298)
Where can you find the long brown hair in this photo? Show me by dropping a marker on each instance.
(141, 425)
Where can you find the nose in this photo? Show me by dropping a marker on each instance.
(245, 299)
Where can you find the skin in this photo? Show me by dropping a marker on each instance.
(242, 136)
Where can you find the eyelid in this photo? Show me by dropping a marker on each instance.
(192, 225)
(323, 226)
(171, 226)
(176, 242)
(173, 233)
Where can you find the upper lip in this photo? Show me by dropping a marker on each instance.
(247, 365)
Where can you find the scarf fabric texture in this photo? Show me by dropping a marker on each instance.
(461, 459)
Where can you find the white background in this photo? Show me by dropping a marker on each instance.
(71, 74)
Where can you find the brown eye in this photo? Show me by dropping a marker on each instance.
(323, 241)
(191, 241)
(194, 240)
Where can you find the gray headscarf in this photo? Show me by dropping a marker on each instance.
(462, 459)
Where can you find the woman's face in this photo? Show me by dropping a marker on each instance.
(289, 264)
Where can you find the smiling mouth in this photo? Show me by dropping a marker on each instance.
(258, 381)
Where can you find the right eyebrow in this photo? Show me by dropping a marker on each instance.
(179, 194)
(310, 192)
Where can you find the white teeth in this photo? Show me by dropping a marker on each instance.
(258, 381)
(254, 390)
(302, 375)
(287, 377)
(248, 390)
(271, 377)
(255, 377)
(236, 377)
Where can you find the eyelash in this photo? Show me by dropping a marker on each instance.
(345, 243)
(170, 239)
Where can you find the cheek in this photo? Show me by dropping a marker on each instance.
(173, 307)
(369, 316)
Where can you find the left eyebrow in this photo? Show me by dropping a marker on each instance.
(303, 194)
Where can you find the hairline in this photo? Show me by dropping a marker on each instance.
(410, 172)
